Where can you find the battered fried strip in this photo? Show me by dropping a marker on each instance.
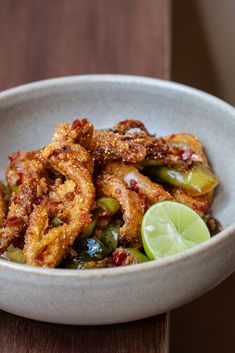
(138, 182)
(130, 202)
(47, 247)
(136, 147)
(30, 192)
(107, 147)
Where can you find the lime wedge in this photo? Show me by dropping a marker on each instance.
(169, 228)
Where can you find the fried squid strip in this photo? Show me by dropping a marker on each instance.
(130, 202)
(108, 146)
(46, 247)
(30, 192)
(138, 182)
(138, 147)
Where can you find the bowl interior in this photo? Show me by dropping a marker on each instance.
(28, 116)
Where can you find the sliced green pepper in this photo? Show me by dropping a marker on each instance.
(91, 226)
(197, 181)
(109, 204)
(137, 254)
(15, 254)
(56, 222)
(110, 236)
(91, 249)
(71, 265)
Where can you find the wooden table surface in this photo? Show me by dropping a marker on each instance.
(47, 38)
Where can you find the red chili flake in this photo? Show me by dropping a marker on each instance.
(14, 221)
(205, 209)
(56, 152)
(55, 203)
(143, 201)
(69, 196)
(15, 199)
(119, 191)
(29, 208)
(185, 155)
(12, 157)
(118, 258)
(19, 180)
(76, 124)
(133, 185)
(20, 173)
(39, 257)
(86, 218)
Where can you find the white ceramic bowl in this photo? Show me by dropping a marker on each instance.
(28, 115)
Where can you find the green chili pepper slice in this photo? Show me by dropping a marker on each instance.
(109, 204)
(137, 254)
(91, 249)
(196, 181)
(15, 254)
(110, 236)
(56, 222)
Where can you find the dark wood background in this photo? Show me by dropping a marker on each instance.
(47, 38)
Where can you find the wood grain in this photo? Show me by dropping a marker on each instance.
(22, 336)
(41, 39)
(47, 38)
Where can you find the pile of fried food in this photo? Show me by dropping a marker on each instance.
(79, 202)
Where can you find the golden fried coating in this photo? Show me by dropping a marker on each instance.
(122, 127)
(18, 165)
(80, 131)
(190, 141)
(32, 191)
(108, 146)
(131, 206)
(138, 182)
(71, 202)
(139, 146)
(201, 204)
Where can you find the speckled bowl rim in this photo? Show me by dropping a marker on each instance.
(38, 86)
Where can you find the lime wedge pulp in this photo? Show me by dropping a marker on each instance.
(169, 227)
